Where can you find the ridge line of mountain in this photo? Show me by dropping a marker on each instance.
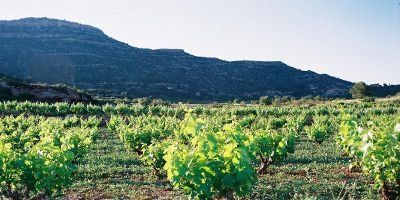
(57, 51)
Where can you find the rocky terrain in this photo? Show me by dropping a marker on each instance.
(56, 51)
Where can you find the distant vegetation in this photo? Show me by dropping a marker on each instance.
(360, 90)
(21, 90)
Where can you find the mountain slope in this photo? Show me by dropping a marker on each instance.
(15, 89)
(56, 51)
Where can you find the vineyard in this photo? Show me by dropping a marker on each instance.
(330, 150)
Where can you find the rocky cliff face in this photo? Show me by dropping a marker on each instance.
(55, 51)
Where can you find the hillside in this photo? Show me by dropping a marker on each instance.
(15, 89)
(55, 51)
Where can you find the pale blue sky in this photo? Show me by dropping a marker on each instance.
(351, 39)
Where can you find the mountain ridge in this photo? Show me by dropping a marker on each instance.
(57, 51)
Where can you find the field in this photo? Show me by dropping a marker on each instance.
(109, 171)
(140, 152)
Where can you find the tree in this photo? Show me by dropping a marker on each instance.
(265, 100)
(236, 101)
(144, 101)
(359, 90)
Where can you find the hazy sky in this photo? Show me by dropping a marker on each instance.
(351, 39)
